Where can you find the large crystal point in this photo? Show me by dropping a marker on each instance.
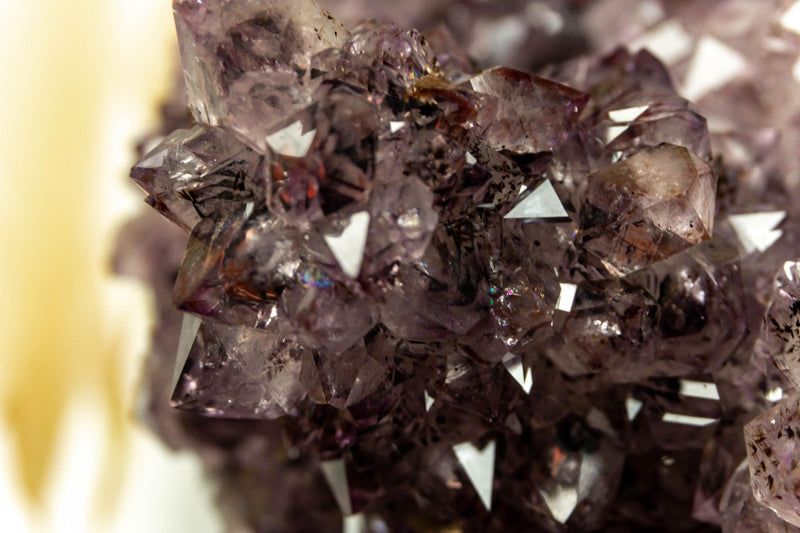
(239, 372)
(773, 447)
(227, 45)
(533, 114)
(780, 331)
(648, 207)
(198, 172)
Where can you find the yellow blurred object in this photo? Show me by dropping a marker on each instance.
(80, 81)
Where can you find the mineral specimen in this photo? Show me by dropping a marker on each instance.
(419, 296)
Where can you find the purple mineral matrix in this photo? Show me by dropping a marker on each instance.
(410, 295)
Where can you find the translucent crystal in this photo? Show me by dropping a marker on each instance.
(525, 103)
(780, 331)
(772, 450)
(239, 372)
(647, 207)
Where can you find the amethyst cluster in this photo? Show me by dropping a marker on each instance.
(421, 297)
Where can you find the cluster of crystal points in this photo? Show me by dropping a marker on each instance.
(421, 297)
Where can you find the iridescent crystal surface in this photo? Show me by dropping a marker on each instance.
(411, 290)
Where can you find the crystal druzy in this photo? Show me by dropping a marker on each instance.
(416, 296)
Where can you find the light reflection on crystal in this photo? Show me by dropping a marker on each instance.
(698, 389)
(756, 231)
(566, 297)
(632, 407)
(479, 466)
(291, 141)
(688, 420)
(542, 202)
(520, 374)
(348, 246)
(189, 328)
(713, 65)
(356, 523)
(561, 501)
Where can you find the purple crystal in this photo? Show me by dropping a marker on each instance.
(238, 372)
(647, 207)
(772, 451)
(779, 333)
(533, 114)
(425, 297)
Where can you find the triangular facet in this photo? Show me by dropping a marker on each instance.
(756, 231)
(624, 117)
(336, 475)
(614, 131)
(520, 374)
(543, 202)
(561, 502)
(396, 125)
(669, 42)
(348, 247)
(479, 466)
(632, 407)
(629, 114)
(428, 401)
(189, 329)
(291, 141)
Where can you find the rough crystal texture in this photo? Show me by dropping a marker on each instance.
(648, 207)
(741, 513)
(780, 332)
(451, 299)
(772, 452)
(231, 50)
(260, 371)
(533, 114)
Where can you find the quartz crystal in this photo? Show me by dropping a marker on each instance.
(647, 207)
(400, 288)
(772, 452)
(780, 332)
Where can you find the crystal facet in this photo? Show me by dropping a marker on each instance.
(425, 293)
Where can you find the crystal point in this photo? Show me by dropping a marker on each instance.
(648, 207)
(533, 114)
(772, 451)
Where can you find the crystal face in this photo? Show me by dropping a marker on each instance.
(410, 290)
(647, 207)
(772, 452)
(780, 332)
